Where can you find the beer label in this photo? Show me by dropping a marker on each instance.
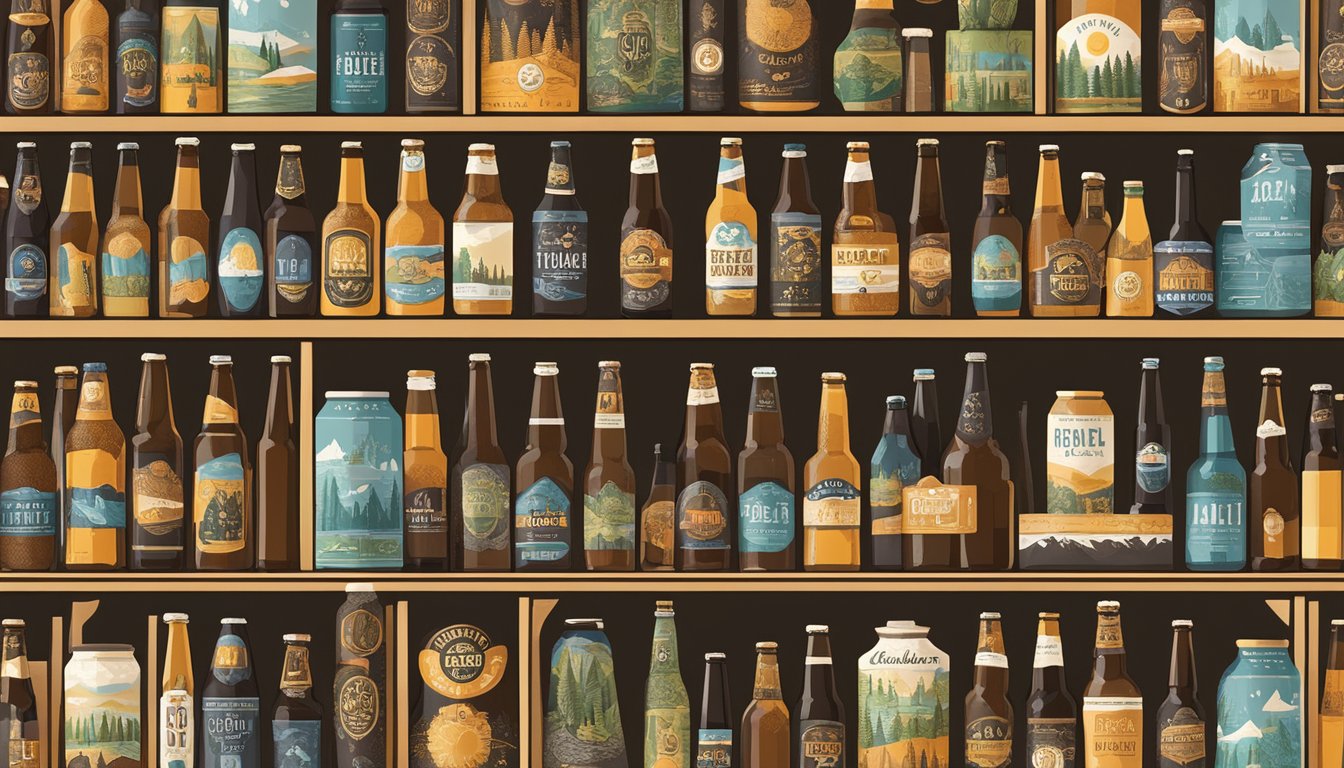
(1184, 276)
(1152, 470)
(76, 282)
(1180, 738)
(1051, 741)
(702, 395)
(95, 497)
(856, 172)
(230, 731)
(646, 270)
(991, 659)
(608, 421)
(894, 466)
(1080, 469)
(362, 632)
(1181, 58)
(702, 516)
(426, 510)
(24, 408)
(560, 255)
(730, 257)
(667, 735)
(1215, 531)
(156, 491)
(868, 69)
(485, 507)
(832, 502)
(933, 508)
(125, 268)
(414, 274)
(28, 193)
(536, 71)
(298, 743)
(177, 730)
(731, 169)
(293, 267)
(231, 664)
(138, 60)
(482, 165)
(348, 267)
(869, 267)
(634, 57)
(219, 411)
(821, 744)
(24, 753)
(85, 84)
(643, 166)
(297, 674)
(1113, 731)
(765, 518)
(931, 269)
(483, 266)
(1276, 194)
(221, 506)
(1103, 42)
(714, 748)
(1330, 68)
(609, 519)
(29, 77)
(1069, 277)
(795, 262)
(779, 54)
(1332, 700)
(191, 81)
(1323, 417)
(1049, 652)
(1278, 536)
(359, 62)
(996, 275)
(1320, 515)
(27, 278)
(27, 512)
(431, 66)
(658, 526)
(241, 276)
(460, 662)
(359, 704)
(541, 524)
(989, 742)
(1109, 633)
(1270, 428)
(188, 270)
(973, 424)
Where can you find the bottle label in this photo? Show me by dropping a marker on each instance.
(188, 271)
(1182, 59)
(460, 662)
(702, 395)
(667, 735)
(765, 518)
(868, 69)
(831, 503)
(1051, 741)
(795, 262)
(138, 59)
(989, 742)
(609, 519)
(1270, 428)
(298, 743)
(431, 64)
(1100, 39)
(231, 664)
(1215, 530)
(1152, 469)
(27, 278)
(560, 256)
(821, 744)
(218, 411)
(414, 273)
(1049, 652)
(359, 704)
(191, 80)
(1184, 276)
(715, 748)
(730, 257)
(646, 270)
(156, 491)
(84, 86)
(996, 275)
(541, 524)
(483, 267)
(856, 172)
(644, 166)
(731, 169)
(894, 466)
(657, 526)
(485, 507)
(96, 497)
(426, 510)
(938, 509)
(1080, 463)
(177, 730)
(231, 739)
(702, 517)
(1321, 515)
(26, 511)
(873, 266)
(779, 54)
(482, 165)
(240, 268)
(220, 506)
(125, 267)
(348, 266)
(1113, 730)
(76, 281)
(1070, 277)
(1180, 739)
(991, 659)
(931, 269)
(293, 268)
(359, 62)
(29, 77)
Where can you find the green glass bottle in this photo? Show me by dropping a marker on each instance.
(667, 708)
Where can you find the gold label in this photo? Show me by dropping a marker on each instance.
(361, 632)
(1181, 739)
(658, 524)
(989, 742)
(1214, 394)
(1112, 731)
(358, 702)
(1108, 631)
(933, 508)
(219, 412)
(297, 673)
(460, 663)
(1183, 23)
(93, 402)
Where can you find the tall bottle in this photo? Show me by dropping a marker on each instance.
(158, 533)
(795, 234)
(278, 476)
(609, 481)
(1112, 703)
(1328, 280)
(1329, 56)
(85, 80)
(703, 527)
(230, 706)
(137, 58)
(191, 80)
(832, 507)
(865, 247)
(184, 229)
(1093, 225)
(918, 70)
(544, 482)
(1215, 485)
(296, 721)
(1183, 263)
(1065, 271)
(425, 509)
(20, 735)
(73, 283)
(28, 88)
(126, 242)
(413, 254)
(63, 409)
(767, 510)
(730, 239)
(765, 722)
(1129, 260)
(433, 72)
(1152, 440)
(925, 423)
(1052, 713)
(95, 480)
(658, 517)
(359, 57)
(1332, 699)
(291, 241)
(705, 83)
(667, 707)
(819, 730)
(479, 481)
(222, 484)
(560, 242)
(646, 240)
(360, 688)
(930, 241)
(867, 66)
(895, 465)
(28, 514)
(996, 242)
(1182, 59)
(974, 458)
(27, 234)
(778, 62)
(1180, 717)
(350, 237)
(1322, 527)
(482, 240)
(177, 707)
(989, 715)
(714, 740)
(240, 264)
(1275, 518)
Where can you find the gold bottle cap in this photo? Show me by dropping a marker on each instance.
(1048, 615)
(152, 356)
(243, 147)
(281, 359)
(13, 623)
(187, 141)
(1262, 643)
(175, 618)
(412, 143)
(479, 357)
(419, 374)
(663, 608)
(221, 360)
(297, 637)
(1080, 393)
(290, 149)
(65, 370)
(25, 384)
(128, 146)
(546, 369)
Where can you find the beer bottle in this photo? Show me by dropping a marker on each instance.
(230, 706)
(714, 741)
(349, 237)
(84, 47)
(359, 53)
(28, 91)
(27, 488)
(126, 243)
(1093, 225)
(918, 69)
(432, 69)
(730, 239)
(479, 481)
(820, 729)
(930, 242)
(1052, 713)
(704, 479)
(1183, 263)
(158, 535)
(544, 482)
(560, 242)
(831, 509)
(657, 517)
(73, 284)
(795, 233)
(765, 723)
(705, 84)
(1332, 700)
(1183, 85)
(20, 737)
(278, 476)
(1330, 96)
(482, 240)
(1112, 703)
(1215, 485)
(989, 715)
(895, 464)
(359, 691)
(867, 66)
(240, 259)
(222, 485)
(177, 710)
(778, 62)
(1321, 524)
(137, 64)
(646, 240)
(1152, 459)
(95, 480)
(184, 228)
(291, 239)
(27, 229)
(1275, 519)
(609, 481)
(413, 256)
(667, 708)
(1129, 260)
(974, 458)
(925, 424)
(63, 409)
(766, 506)
(296, 722)
(426, 470)
(1180, 717)
(191, 79)
(865, 248)
(1329, 272)
(1065, 271)
(996, 242)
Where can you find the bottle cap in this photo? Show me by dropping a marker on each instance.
(413, 143)
(817, 629)
(796, 148)
(1271, 371)
(355, 395)
(1262, 643)
(81, 145)
(420, 381)
(764, 372)
(996, 143)
(833, 377)
(1337, 622)
(861, 146)
(896, 402)
(95, 367)
(1049, 147)
(917, 32)
(976, 357)
(152, 356)
(716, 656)
(25, 384)
(1214, 363)
(1322, 388)
(187, 141)
(1092, 176)
(221, 360)
(642, 142)
(233, 621)
(990, 616)
(702, 366)
(481, 148)
(175, 618)
(598, 623)
(1186, 152)
(13, 623)
(1108, 605)
(297, 637)
(26, 145)
(546, 369)
(926, 142)
(1151, 363)
(1328, 168)
(769, 646)
(352, 145)
(1186, 623)
(560, 145)
(243, 147)
(610, 364)
(290, 149)
(65, 370)
(1080, 393)
(1048, 615)
(479, 357)
(359, 586)
(1133, 185)
(128, 146)
(281, 359)
(663, 605)
(730, 141)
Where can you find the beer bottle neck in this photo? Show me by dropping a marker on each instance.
(833, 420)
(289, 182)
(422, 419)
(991, 665)
(1133, 213)
(1185, 196)
(1271, 440)
(240, 199)
(897, 422)
(1049, 191)
(14, 657)
(187, 181)
(766, 685)
(25, 423)
(560, 174)
(126, 200)
(765, 423)
(1215, 430)
(715, 705)
(412, 186)
(177, 673)
(663, 660)
(155, 414)
(297, 679)
(995, 185)
(1182, 676)
(1047, 668)
(732, 172)
(928, 188)
(280, 403)
(975, 423)
(1150, 398)
(609, 419)
(1321, 430)
(818, 677)
(351, 190)
(1093, 204)
(480, 424)
(664, 472)
(79, 183)
(483, 179)
(221, 404)
(873, 13)
(795, 188)
(546, 427)
(860, 193)
(95, 403)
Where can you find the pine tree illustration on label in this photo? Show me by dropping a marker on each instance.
(530, 56)
(359, 485)
(272, 52)
(583, 716)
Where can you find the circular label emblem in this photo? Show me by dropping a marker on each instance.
(358, 706)
(707, 57)
(461, 651)
(1273, 522)
(1128, 285)
(531, 77)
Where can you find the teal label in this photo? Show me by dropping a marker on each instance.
(894, 466)
(1260, 711)
(125, 271)
(138, 59)
(27, 511)
(231, 663)
(240, 273)
(996, 275)
(766, 518)
(702, 517)
(230, 728)
(298, 743)
(484, 499)
(359, 62)
(414, 273)
(868, 70)
(609, 519)
(1251, 281)
(715, 748)
(189, 274)
(1215, 533)
(1276, 198)
(220, 506)
(293, 268)
(27, 279)
(1151, 468)
(541, 524)
(101, 507)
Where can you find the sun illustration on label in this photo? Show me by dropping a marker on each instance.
(1098, 43)
(459, 736)
(243, 256)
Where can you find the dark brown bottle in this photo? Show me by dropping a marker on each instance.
(609, 481)
(1180, 717)
(1052, 713)
(184, 234)
(296, 721)
(62, 418)
(479, 481)
(989, 715)
(222, 485)
(795, 241)
(767, 507)
(1275, 514)
(778, 61)
(29, 68)
(1152, 441)
(703, 527)
(819, 725)
(705, 82)
(278, 477)
(1182, 59)
(158, 535)
(359, 692)
(28, 512)
(658, 517)
(646, 240)
(291, 241)
(20, 733)
(930, 242)
(714, 740)
(544, 482)
(974, 458)
(136, 59)
(27, 233)
(240, 264)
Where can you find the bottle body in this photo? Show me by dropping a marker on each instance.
(646, 238)
(795, 248)
(609, 481)
(543, 517)
(278, 476)
(560, 242)
(479, 480)
(767, 507)
(230, 705)
(1215, 520)
(351, 280)
(930, 241)
(158, 533)
(29, 68)
(184, 229)
(482, 240)
(27, 237)
(1183, 85)
(73, 283)
(634, 60)
(865, 247)
(996, 243)
(222, 498)
(1129, 260)
(667, 710)
(28, 498)
(137, 59)
(291, 242)
(85, 80)
(413, 257)
(240, 263)
(1275, 520)
(730, 239)
(95, 480)
(704, 529)
(832, 507)
(778, 57)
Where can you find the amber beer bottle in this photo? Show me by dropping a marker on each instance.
(177, 718)
(350, 277)
(1065, 271)
(767, 509)
(1275, 519)
(646, 240)
(1093, 225)
(1180, 717)
(657, 518)
(778, 60)
(609, 481)
(918, 70)
(1332, 701)
(1052, 714)
(184, 229)
(28, 87)
(819, 731)
(1321, 524)
(359, 691)
(479, 481)
(765, 723)
(996, 242)
(158, 535)
(930, 241)
(20, 732)
(240, 265)
(27, 233)
(95, 480)
(291, 240)
(482, 240)
(832, 507)
(974, 458)
(704, 530)
(64, 405)
(1112, 703)
(865, 248)
(85, 81)
(426, 471)
(222, 484)
(1129, 260)
(126, 242)
(730, 239)
(28, 515)
(989, 715)
(544, 482)
(278, 476)
(413, 256)
(73, 283)
(795, 234)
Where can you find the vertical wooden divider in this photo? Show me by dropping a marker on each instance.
(1041, 92)
(307, 509)
(525, 655)
(149, 734)
(403, 676)
(1311, 683)
(540, 610)
(1308, 34)
(1299, 630)
(56, 687)
(470, 58)
(40, 674)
